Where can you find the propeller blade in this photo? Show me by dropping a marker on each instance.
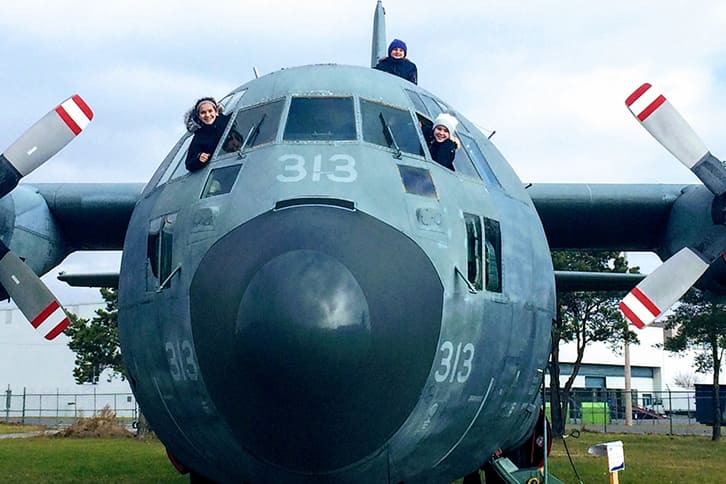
(663, 287)
(658, 116)
(43, 140)
(32, 297)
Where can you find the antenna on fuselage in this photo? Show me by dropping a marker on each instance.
(257, 73)
(378, 45)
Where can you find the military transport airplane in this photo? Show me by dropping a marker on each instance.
(327, 303)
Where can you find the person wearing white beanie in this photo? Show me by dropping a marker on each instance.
(441, 141)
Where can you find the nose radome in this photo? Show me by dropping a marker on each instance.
(304, 317)
(315, 329)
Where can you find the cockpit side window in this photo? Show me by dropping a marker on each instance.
(481, 163)
(433, 106)
(320, 119)
(230, 100)
(463, 165)
(416, 101)
(176, 167)
(390, 127)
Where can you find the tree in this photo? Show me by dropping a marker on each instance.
(95, 342)
(685, 380)
(584, 318)
(700, 325)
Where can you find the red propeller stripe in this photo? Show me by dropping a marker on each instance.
(58, 329)
(649, 305)
(630, 315)
(652, 107)
(636, 94)
(75, 113)
(85, 108)
(49, 309)
(68, 120)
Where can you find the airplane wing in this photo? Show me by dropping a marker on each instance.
(604, 217)
(91, 216)
(630, 217)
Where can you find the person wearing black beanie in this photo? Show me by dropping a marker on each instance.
(397, 64)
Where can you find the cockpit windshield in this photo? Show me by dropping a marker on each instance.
(320, 119)
(254, 126)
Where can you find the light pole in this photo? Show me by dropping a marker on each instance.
(628, 397)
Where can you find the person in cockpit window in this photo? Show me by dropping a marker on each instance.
(233, 142)
(441, 141)
(397, 64)
(207, 123)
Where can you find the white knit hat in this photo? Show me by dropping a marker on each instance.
(447, 121)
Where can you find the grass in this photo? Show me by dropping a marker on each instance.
(12, 428)
(104, 460)
(649, 458)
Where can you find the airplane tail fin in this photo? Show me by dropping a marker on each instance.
(378, 45)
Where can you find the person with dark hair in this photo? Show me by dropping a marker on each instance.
(397, 64)
(207, 123)
(441, 141)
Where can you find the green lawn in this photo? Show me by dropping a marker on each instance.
(44, 459)
(648, 459)
(17, 428)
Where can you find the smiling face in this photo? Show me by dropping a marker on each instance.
(441, 133)
(207, 112)
(398, 53)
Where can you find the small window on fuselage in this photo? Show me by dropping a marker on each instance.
(220, 181)
(320, 119)
(473, 250)
(492, 255)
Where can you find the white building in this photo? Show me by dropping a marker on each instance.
(654, 371)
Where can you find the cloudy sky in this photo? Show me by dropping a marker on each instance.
(549, 77)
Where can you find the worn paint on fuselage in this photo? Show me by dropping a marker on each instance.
(438, 377)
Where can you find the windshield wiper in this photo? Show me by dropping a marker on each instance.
(253, 132)
(390, 139)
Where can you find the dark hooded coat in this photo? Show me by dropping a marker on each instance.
(206, 138)
(442, 153)
(399, 67)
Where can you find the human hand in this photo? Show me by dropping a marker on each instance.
(203, 157)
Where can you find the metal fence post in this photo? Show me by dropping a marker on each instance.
(22, 415)
(8, 400)
(670, 409)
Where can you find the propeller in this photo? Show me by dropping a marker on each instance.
(34, 147)
(664, 286)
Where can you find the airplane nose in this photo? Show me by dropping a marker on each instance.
(315, 324)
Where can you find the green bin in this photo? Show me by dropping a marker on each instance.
(595, 413)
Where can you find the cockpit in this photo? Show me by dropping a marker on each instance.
(323, 117)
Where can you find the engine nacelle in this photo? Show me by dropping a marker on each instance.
(691, 217)
(29, 229)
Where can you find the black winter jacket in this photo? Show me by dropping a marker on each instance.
(399, 67)
(442, 153)
(205, 141)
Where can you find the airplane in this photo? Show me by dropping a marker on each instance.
(327, 303)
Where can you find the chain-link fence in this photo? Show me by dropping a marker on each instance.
(61, 409)
(665, 411)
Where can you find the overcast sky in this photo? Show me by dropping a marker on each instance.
(550, 77)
